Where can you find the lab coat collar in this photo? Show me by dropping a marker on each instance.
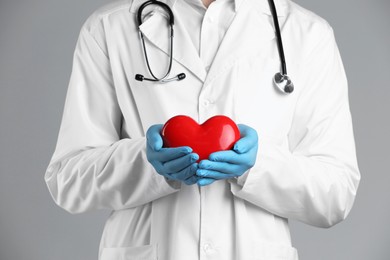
(186, 54)
(136, 4)
(233, 47)
(282, 7)
(236, 3)
(260, 5)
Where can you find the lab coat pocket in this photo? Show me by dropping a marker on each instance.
(275, 252)
(147, 252)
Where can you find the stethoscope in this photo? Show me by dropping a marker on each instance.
(281, 80)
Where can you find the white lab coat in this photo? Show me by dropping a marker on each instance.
(306, 166)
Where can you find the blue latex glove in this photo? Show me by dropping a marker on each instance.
(231, 163)
(177, 163)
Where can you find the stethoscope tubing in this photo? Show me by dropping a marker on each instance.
(278, 37)
(171, 22)
(163, 79)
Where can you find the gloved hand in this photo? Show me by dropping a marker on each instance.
(231, 163)
(177, 163)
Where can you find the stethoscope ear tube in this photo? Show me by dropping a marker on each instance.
(163, 79)
(179, 76)
(155, 2)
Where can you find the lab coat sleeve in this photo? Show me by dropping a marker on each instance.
(314, 180)
(92, 168)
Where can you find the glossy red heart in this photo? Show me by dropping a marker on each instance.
(216, 134)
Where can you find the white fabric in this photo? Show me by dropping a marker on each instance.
(206, 26)
(306, 167)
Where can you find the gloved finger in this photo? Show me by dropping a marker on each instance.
(205, 181)
(158, 166)
(185, 173)
(154, 138)
(223, 167)
(191, 180)
(228, 156)
(177, 165)
(169, 154)
(247, 141)
(214, 174)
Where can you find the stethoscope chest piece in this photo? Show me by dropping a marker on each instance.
(283, 83)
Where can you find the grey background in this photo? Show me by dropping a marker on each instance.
(37, 40)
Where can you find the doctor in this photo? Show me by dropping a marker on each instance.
(296, 158)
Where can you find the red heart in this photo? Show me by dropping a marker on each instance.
(216, 134)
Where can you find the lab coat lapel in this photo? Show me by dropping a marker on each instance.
(155, 29)
(251, 29)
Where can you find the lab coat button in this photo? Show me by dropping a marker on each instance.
(206, 102)
(207, 68)
(207, 248)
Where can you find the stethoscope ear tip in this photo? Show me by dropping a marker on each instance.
(139, 77)
(181, 76)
